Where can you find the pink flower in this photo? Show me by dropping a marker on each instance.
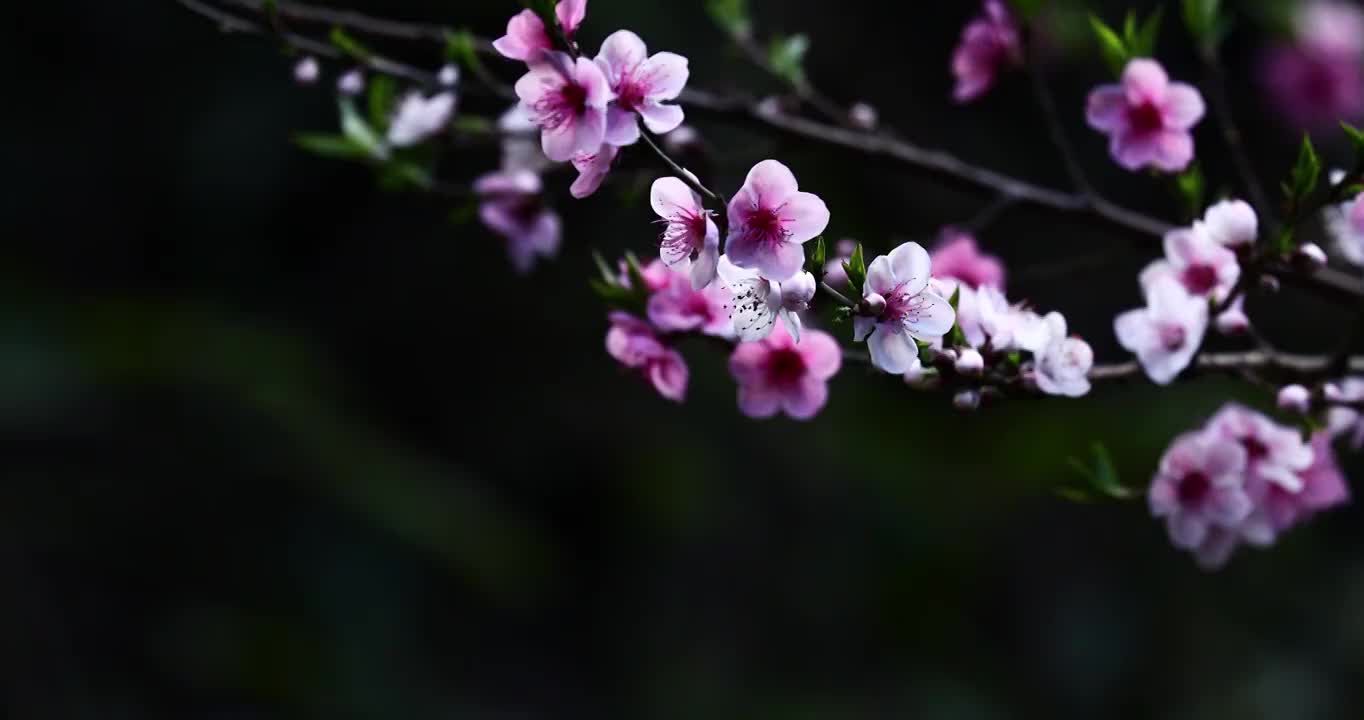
(776, 374)
(1231, 223)
(1063, 367)
(769, 220)
(1317, 80)
(567, 99)
(632, 343)
(656, 276)
(989, 44)
(957, 256)
(1204, 267)
(592, 170)
(1343, 420)
(418, 118)
(1345, 226)
(679, 308)
(642, 84)
(1166, 333)
(1274, 454)
(758, 302)
(510, 206)
(1199, 488)
(1323, 487)
(570, 14)
(911, 309)
(307, 71)
(689, 232)
(1294, 398)
(526, 39)
(1147, 117)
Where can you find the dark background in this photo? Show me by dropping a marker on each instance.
(277, 444)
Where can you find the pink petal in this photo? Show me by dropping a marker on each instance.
(1183, 106)
(880, 276)
(1132, 152)
(1134, 330)
(525, 37)
(570, 14)
(1174, 150)
(669, 375)
(931, 318)
(805, 216)
(1187, 530)
(823, 356)
(1106, 108)
(748, 362)
(622, 126)
(770, 183)
(670, 196)
(807, 399)
(704, 269)
(1144, 80)
(912, 266)
(590, 77)
(862, 327)
(664, 75)
(892, 352)
(560, 144)
(661, 119)
(622, 51)
(758, 401)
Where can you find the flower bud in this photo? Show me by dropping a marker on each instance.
(873, 304)
(863, 116)
(1295, 398)
(915, 374)
(1233, 321)
(1332, 393)
(307, 71)
(1269, 283)
(966, 400)
(352, 83)
(970, 362)
(797, 292)
(1309, 257)
(448, 76)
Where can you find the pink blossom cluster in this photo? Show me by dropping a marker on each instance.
(1149, 120)
(990, 44)
(1317, 79)
(586, 109)
(510, 202)
(1200, 269)
(1242, 479)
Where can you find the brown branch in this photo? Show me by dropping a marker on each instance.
(1304, 368)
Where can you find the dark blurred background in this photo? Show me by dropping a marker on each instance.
(280, 445)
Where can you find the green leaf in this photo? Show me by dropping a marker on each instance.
(613, 294)
(957, 337)
(1192, 188)
(461, 48)
(1356, 137)
(359, 132)
(1143, 43)
(731, 15)
(1111, 45)
(1306, 170)
(383, 93)
(404, 174)
(855, 268)
(349, 45)
(1026, 9)
(473, 125)
(1101, 474)
(607, 276)
(1200, 17)
(786, 55)
(817, 258)
(330, 146)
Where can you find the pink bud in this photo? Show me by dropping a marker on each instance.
(966, 400)
(1309, 257)
(1233, 322)
(873, 304)
(352, 83)
(970, 362)
(1295, 398)
(306, 71)
(448, 76)
(863, 116)
(1332, 393)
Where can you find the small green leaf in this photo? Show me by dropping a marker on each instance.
(786, 55)
(1111, 45)
(1306, 170)
(330, 146)
(856, 269)
(1026, 9)
(359, 132)
(607, 276)
(1200, 17)
(1356, 137)
(349, 45)
(404, 174)
(1192, 188)
(731, 15)
(957, 337)
(1143, 44)
(1101, 474)
(383, 93)
(473, 125)
(817, 258)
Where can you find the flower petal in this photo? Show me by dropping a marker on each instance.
(621, 52)
(892, 352)
(664, 75)
(806, 399)
(1106, 108)
(930, 317)
(669, 196)
(911, 264)
(661, 119)
(770, 183)
(805, 216)
(1183, 106)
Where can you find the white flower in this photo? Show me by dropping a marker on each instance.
(758, 302)
(1166, 333)
(1231, 223)
(1345, 225)
(1063, 365)
(912, 310)
(419, 118)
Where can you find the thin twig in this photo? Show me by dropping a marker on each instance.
(1047, 103)
(836, 295)
(1231, 132)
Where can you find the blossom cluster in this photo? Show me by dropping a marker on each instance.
(1242, 479)
(1317, 78)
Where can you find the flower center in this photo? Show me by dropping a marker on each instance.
(562, 106)
(765, 226)
(1255, 450)
(683, 234)
(785, 367)
(1193, 489)
(1145, 118)
(1199, 279)
(1171, 337)
(899, 304)
(630, 94)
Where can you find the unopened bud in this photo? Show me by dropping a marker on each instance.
(863, 116)
(352, 83)
(970, 362)
(797, 292)
(307, 71)
(1233, 321)
(1332, 393)
(966, 400)
(1309, 258)
(448, 76)
(1295, 398)
(873, 304)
